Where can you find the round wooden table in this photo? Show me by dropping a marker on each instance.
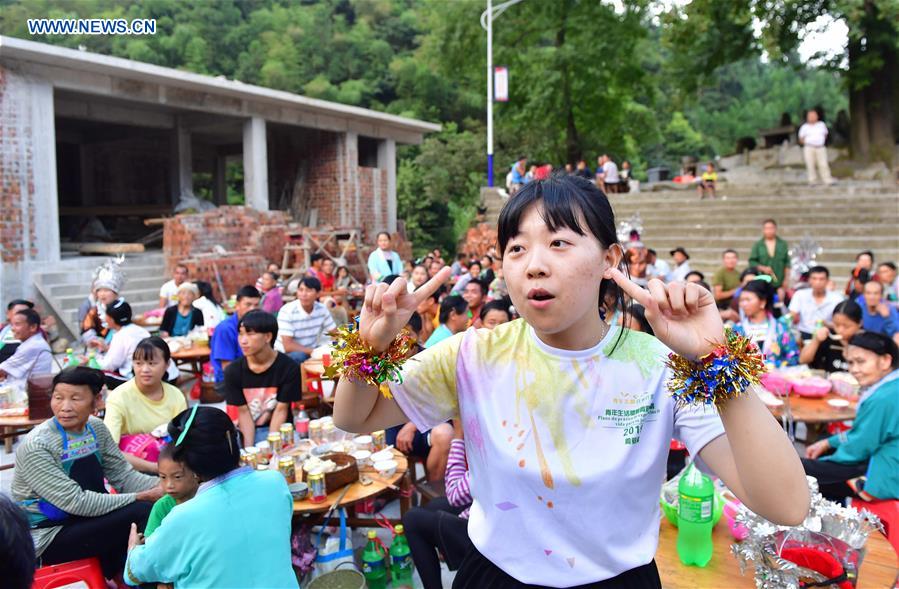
(878, 571)
(357, 491)
(12, 427)
(814, 410)
(192, 358)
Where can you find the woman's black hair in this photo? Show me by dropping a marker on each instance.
(850, 309)
(638, 312)
(210, 447)
(450, 304)
(148, 347)
(763, 290)
(206, 291)
(564, 200)
(414, 322)
(16, 546)
(880, 344)
(390, 278)
(120, 311)
(380, 233)
(81, 376)
(259, 321)
(752, 270)
(497, 305)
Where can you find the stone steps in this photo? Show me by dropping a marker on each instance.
(65, 285)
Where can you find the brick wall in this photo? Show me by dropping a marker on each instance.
(18, 239)
(252, 239)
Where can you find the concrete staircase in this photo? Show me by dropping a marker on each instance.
(843, 219)
(65, 285)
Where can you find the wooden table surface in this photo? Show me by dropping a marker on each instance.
(809, 410)
(14, 426)
(878, 571)
(357, 491)
(192, 353)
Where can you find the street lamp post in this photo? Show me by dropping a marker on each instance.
(487, 18)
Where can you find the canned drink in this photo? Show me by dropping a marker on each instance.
(243, 457)
(252, 456)
(379, 440)
(287, 468)
(274, 440)
(315, 431)
(317, 491)
(286, 435)
(265, 451)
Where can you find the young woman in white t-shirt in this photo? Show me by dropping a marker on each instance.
(567, 420)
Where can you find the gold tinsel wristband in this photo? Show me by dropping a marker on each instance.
(353, 358)
(724, 373)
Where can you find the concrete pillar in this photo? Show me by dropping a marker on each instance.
(351, 161)
(219, 188)
(387, 164)
(28, 163)
(185, 177)
(255, 164)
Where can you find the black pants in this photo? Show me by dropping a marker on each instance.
(436, 526)
(832, 477)
(105, 537)
(477, 572)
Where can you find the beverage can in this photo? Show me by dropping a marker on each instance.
(328, 432)
(317, 491)
(265, 451)
(315, 431)
(287, 468)
(286, 431)
(274, 440)
(379, 440)
(252, 456)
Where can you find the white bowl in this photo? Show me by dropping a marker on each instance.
(362, 442)
(382, 456)
(362, 457)
(386, 468)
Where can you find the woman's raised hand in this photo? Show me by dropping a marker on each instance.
(387, 308)
(683, 315)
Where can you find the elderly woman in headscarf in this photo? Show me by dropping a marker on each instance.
(59, 479)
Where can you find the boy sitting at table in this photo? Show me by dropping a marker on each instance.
(865, 460)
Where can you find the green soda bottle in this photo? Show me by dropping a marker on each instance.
(373, 568)
(401, 566)
(694, 517)
(71, 360)
(92, 361)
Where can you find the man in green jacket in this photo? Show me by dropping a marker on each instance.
(771, 255)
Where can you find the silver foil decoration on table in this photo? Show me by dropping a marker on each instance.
(843, 529)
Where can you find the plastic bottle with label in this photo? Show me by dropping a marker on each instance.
(373, 568)
(301, 423)
(401, 566)
(71, 359)
(694, 517)
(92, 361)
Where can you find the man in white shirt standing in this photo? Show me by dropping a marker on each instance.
(607, 175)
(304, 323)
(812, 136)
(811, 305)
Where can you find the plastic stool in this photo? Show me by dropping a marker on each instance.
(888, 512)
(78, 573)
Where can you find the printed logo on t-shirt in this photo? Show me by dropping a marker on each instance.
(629, 412)
(259, 399)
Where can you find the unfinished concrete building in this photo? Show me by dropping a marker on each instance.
(91, 145)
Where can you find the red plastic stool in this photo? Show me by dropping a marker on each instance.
(888, 512)
(86, 571)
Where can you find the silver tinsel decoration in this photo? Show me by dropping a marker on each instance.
(630, 231)
(843, 530)
(803, 256)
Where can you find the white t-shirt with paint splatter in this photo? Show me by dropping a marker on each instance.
(567, 449)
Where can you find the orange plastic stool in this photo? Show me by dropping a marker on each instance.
(86, 571)
(888, 512)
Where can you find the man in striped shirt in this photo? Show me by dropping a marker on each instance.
(304, 323)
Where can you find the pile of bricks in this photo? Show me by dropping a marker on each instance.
(251, 239)
(480, 240)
